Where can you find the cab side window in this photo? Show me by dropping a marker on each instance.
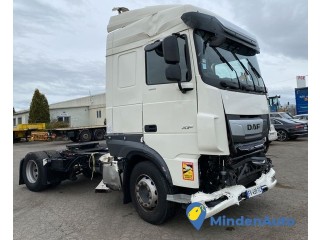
(156, 66)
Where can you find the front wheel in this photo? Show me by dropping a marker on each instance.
(282, 135)
(149, 189)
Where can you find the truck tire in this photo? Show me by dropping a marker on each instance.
(98, 134)
(33, 171)
(149, 189)
(85, 135)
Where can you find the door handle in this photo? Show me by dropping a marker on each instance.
(150, 128)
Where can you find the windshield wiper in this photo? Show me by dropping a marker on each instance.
(256, 73)
(226, 62)
(246, 70)
(254, 70)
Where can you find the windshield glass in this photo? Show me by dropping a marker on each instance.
(286, 115)
(225, 69)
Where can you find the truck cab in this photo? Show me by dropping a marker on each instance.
(187, 116)
(187, 112)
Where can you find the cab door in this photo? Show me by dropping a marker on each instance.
(169, 116)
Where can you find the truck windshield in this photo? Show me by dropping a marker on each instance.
(224, 68)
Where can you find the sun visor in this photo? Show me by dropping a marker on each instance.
(223, 30)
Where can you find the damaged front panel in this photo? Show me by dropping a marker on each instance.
(219, 200)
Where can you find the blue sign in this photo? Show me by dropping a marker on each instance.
(301, 100)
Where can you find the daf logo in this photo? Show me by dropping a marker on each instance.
(253, 126)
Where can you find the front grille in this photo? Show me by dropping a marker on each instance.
(251, 146)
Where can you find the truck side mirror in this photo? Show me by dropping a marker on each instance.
(171, 50)
(173, 72)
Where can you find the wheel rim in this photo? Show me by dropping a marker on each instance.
(85, 136)
(146, 192)
(99, 135)
(281, 135)
(32, 171)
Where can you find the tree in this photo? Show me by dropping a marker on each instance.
(39, 108)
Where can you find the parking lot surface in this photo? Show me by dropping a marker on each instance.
(73, 210)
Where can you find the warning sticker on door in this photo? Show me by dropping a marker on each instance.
(187, 171)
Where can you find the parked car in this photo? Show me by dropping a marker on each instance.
(301, 117)
(289, 129)
(284, 115)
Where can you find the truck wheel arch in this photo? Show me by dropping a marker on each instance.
(134, 152)
(131, 161)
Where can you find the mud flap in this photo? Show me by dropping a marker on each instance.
(20, 172)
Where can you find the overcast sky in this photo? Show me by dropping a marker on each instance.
(59, 46)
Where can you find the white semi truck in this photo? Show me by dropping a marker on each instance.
(187, 116)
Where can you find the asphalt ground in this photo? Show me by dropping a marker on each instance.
(73, 210)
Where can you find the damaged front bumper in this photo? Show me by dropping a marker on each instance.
(217, 201)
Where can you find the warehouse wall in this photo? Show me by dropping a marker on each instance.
(78, 116)
(20, 118)
(86, 111)
(81, 102)
(97, 115)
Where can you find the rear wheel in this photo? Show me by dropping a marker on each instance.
(85, 135)
(282, 135)
(149, 189)
(33, 171)
(98, 134)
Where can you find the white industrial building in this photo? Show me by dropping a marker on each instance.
(80, 112)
